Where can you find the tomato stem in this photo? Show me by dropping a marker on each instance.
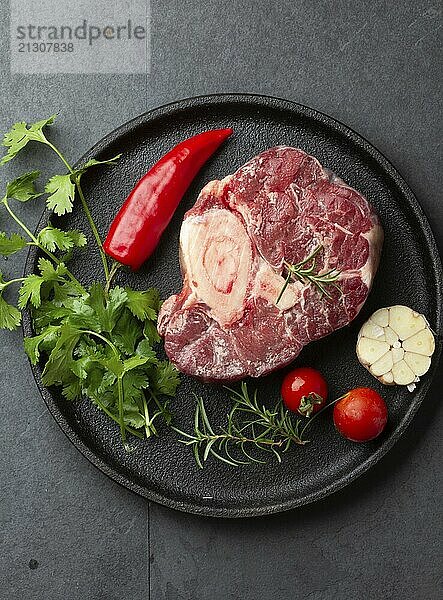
(320, 411)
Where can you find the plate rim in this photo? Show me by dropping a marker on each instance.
(414, 205)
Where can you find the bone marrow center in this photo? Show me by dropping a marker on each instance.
(221, 262)
(217, 256)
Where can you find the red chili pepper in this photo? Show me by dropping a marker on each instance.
(138, 226)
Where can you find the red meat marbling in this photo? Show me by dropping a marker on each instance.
(279, 206)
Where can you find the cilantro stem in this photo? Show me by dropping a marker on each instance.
(59, 154)
(147, 418)
(93, 228)
(120, 409)
(35, 242)
(4, 284)
(103, 339)
(114, 418)
(121, 420)
(162, 408)
(114, 268)
(76, 180)
(18, 221)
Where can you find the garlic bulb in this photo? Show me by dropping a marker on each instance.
(396, 345)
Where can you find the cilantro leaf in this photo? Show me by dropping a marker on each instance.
(78, 238)
(96, 301)
(30, 291)
(144, 349)
(126, 332)
(19, 135)
(58, 367)
(49, 313)
(12, 244)
(32, 344)
(36, 128)
(88, 346)
(107, 311)
(81, 315)
(164, 378)
(82, 366)
(62, 192)
(49, 272)
(44, 315)
(132, 363)
(117, 297)
(89, 358)
(80, 241)
(72, 391)
(22, 188)
(10, 316)
(107, 386)
(133, 382)
(143, 305)
(15, 139)
(132, 413)
(150, 332)
(93, 162)
(64, 292)
(54, 239)
(113, 364)
(133, 385)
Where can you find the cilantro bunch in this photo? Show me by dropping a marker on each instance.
(97, 341)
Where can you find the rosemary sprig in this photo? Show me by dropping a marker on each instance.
(249, 426)
(304, 271)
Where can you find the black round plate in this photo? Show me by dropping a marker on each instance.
(163, 470)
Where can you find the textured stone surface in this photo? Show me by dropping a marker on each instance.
(374, 66)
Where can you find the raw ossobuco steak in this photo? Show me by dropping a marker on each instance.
(278, 207)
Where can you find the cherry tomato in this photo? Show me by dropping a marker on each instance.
(304, 390)
(360, 415)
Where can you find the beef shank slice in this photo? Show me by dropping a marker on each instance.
(226, 324)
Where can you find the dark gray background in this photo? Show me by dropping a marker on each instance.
(373, 65)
